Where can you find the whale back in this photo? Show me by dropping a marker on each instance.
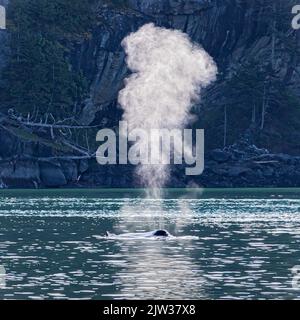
(153, 234)
(160, 233)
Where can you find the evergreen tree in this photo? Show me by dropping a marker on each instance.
(39, 77)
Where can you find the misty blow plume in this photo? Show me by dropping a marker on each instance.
(168, 73)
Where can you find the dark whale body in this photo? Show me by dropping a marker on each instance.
(160, 233)
(153, 234)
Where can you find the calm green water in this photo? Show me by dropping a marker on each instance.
(237, 244)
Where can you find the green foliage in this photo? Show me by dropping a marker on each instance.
(39, 75)
(256, 97)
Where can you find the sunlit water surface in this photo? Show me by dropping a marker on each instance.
(238, 244)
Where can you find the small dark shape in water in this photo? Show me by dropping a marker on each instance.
(156, 233)
(160, 233)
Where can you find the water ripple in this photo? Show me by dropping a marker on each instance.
(225, 247)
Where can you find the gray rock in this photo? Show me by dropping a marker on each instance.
(52, 175)
(8, 144)
(69, 169)
(88, 113)
(169, 7)
(268, 172)
(83, 166)
(220, 155)
(20, 174)
(219, 171)
(237, 171)
(274, 157)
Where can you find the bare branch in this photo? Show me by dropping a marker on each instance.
(55, 126)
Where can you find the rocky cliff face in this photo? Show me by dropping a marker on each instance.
(232, 31)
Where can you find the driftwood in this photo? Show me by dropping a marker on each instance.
(45, 159)
(12, 122)
(55, 125)
(266, 162)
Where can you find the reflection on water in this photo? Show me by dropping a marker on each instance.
(2, 277)
(226, 246)
(153, 272)
(160, 268)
